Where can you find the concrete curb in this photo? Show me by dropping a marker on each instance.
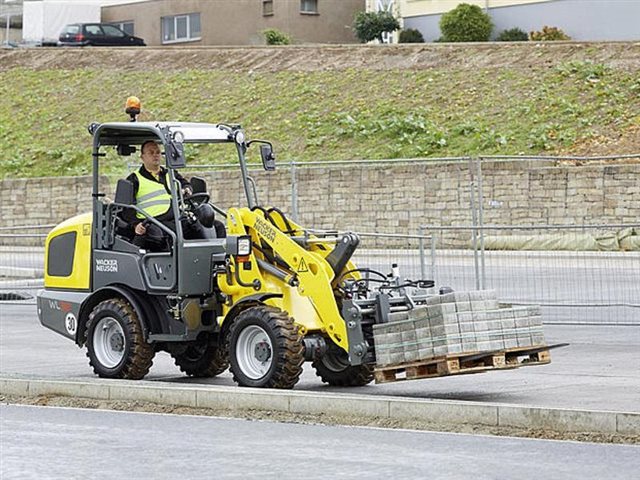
(296, 402)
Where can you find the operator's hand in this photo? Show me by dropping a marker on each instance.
(140, 229)
(187, 192)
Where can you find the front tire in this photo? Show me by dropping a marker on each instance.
(115, 341)
(334, 368)
(202, 358)
(265, 349)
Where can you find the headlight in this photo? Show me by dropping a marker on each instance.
(240, 137)
(244, 246)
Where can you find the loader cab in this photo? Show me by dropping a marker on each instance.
(185, 267)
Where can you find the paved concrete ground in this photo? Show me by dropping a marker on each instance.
(600, 370)
(72, 443)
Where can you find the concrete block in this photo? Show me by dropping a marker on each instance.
(418, 313)
(557, 419)
(411, 356)
(466, 327)
(454, 348)
(14, 386)
(481, 326)
(494, 325)
(520, 312)
(524, 341)
(521, 322)
(423, 334)
(440, 350)
(162, 395)
(425, 353)
(445, 330)
(484, 346)
(421, 324)
(628, 423)
(461, 297)
(382, 357)
(491, 304)
(69, 389)
(398, 316)
(341, 405)
(435, 300)
(533, 310)
(448, 298)
(394, 338)
(408, 336)
(444, 412)
(463, 306)
(469, 346)
(535, 320)
(477, 305)
(396, 358)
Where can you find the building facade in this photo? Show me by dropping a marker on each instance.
(589, 20)
(236, 22)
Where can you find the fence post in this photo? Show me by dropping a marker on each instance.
(423, 267)
(474, 222)
(483, 283)
(434, 238)
(294, 192)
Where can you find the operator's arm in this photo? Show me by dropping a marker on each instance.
(184, 184)
(129, 214)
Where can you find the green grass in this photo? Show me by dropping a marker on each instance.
(351, 114)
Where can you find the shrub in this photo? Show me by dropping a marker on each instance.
(370, 26)
(513, 35)
(410, 35)
(466, 23)
(548, 34)
(273, 36)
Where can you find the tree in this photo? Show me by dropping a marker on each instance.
(466, 23)
(370, 26)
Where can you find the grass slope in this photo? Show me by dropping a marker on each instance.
(320, 115)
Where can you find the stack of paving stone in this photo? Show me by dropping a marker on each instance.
(455, 323)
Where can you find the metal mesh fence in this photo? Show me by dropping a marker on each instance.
(578, 275)
(21, 263)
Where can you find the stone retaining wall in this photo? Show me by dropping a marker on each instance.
(385, 198)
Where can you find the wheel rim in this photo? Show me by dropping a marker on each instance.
(336, 362)
(254, 352)
(109, 342)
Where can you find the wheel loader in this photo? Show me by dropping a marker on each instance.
(260, 295)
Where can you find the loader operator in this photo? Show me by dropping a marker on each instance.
(153, 196)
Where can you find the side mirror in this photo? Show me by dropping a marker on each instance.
(174, 152)
(124, 193)
(198, 185)
(268, 157)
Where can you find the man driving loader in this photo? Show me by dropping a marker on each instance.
(153, 196)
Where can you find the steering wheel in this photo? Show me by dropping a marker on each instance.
(196, 199)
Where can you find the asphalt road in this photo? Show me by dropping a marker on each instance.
(600, 370)
(58, 443)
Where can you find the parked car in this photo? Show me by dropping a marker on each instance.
(97, 35)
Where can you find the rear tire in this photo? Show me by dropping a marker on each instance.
(116, 346)
(265, 349)
(202, 358)
(333, 368)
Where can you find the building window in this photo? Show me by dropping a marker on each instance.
(267, 7)
(126, 26)
(309, 6)
(181, 28)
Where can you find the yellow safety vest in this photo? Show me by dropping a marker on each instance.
(152, 197)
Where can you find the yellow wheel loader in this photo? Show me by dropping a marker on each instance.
(260, 294)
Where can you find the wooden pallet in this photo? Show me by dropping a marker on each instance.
(466, 363)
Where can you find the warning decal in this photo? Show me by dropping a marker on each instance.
(302, 266)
